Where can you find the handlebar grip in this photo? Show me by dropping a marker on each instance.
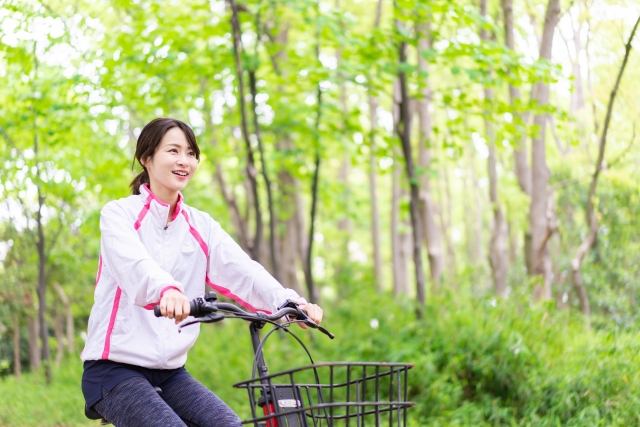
(192, 309)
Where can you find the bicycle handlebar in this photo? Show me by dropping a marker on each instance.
(201, 307)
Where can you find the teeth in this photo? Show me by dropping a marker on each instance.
(181, 173)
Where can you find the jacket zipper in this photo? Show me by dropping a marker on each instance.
(163, 357)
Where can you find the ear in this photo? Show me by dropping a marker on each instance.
(145, 162)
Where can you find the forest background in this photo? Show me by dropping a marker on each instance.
(455, 182)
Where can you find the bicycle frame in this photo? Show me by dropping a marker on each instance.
(206, 310)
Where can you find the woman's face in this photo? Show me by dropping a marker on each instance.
(173, 164)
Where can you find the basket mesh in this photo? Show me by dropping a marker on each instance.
(331, 395)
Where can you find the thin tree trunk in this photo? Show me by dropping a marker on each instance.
(498, 259)
(523, 173)
(373, 194)
(311, 286)
(66, 306)
(469, 230)
(42, 261)
(17, 365)
(398, 258)
(293, 241)
(577, 95)
(540, 173)
(58, 329)
(520, 153)
(251, 168)
(272, 215)
(590, 238)
(432, 233)
(406, 246)
(590, 80)
(404, 132)
(344, 223)
(35, 355)
(290, 241)
(373, 173)
(447, 224)
(229, 197)
(476, 244)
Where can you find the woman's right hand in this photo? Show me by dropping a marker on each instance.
(174, 305)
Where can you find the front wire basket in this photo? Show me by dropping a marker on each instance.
(331, 395)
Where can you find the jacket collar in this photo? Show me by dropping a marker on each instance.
(158, 208)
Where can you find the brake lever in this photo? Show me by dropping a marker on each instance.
(322, 329)
(193, 322)
(208, 318)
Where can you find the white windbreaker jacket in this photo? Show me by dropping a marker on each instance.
(141, 258)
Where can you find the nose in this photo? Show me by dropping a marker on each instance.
(182, 160)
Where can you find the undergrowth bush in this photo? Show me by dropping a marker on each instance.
(478, 362)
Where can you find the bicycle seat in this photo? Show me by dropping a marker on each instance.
(91, 413)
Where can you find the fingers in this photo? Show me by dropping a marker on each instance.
(175, 305)
(314, 312)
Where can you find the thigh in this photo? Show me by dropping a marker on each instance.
(197, 405)
(135, 403)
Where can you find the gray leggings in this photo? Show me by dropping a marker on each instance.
(135, 403)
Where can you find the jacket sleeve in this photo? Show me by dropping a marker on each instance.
(138, 275)
(233, 274)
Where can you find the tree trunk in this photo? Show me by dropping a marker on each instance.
(523, 173)
(251, 168)
(589, 240)
(66, 306)
(293, 246)
(373, 173)
(398, 240)
(42, 262)
(577, 95)
(229, 197)
(35, 355)
(447, 223)
(291, 250)
(498, 259)
(404, 132)
(58, 329)
(267, 182)
(373, 194)
(344, 222)
(540, 256)
(432, 233)
(311, 286)
(17, 365)
(477, 220)
(587, 51)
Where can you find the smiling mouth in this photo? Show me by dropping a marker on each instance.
(182, 174)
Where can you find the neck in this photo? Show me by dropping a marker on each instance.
(167, 196)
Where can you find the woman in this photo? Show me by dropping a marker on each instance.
(157, 250)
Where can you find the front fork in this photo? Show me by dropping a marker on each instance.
(265, 401)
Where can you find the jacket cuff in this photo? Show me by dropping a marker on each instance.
(168, 288)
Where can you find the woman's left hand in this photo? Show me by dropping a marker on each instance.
(313, 311)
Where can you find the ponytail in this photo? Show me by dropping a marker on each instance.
(141, 178)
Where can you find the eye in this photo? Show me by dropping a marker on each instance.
(192, 154)
(173, 150)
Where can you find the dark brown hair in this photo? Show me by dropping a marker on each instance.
(148, 142)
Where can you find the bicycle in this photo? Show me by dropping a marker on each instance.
(357, 394)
